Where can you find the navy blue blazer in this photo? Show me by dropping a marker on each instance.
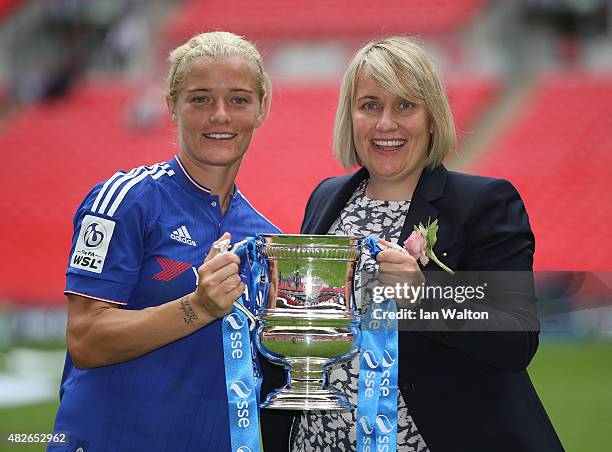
(466, 391)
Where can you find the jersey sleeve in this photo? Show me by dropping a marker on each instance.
(107, 246)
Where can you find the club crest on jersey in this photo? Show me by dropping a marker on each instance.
(92, 244)
(183, 236)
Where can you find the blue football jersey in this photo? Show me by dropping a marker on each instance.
(139, 238)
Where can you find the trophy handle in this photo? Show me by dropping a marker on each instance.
(238, 246)
(224, 246)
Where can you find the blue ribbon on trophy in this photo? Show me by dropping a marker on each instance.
(378, 368)
(241, 382)
(242, 374)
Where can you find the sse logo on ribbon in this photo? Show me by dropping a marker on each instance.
(365, 425)
(240, 389)
(370, 359)
(236, 339)
(384, 424)
(235, 321)
(242, 406)
(388, 360)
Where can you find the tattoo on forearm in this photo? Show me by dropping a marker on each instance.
(188, 315)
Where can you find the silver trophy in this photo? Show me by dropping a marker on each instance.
(309, 321)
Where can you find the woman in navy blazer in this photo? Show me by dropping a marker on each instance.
(463, 390)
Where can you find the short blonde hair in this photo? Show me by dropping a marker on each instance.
(403, 68)
(215, 44)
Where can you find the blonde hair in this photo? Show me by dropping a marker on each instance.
(215, 44)
(401, 67)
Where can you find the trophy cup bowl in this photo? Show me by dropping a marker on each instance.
(309, 321)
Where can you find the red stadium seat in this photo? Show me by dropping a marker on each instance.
(558, 152)
(317, 19)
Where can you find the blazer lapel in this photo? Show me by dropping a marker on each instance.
(429, 188)
(338, 201)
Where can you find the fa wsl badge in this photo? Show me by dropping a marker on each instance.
(92, 244)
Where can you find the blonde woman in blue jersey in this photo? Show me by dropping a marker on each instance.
(144, 369)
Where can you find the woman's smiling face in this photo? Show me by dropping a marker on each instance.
(217, 110)
(391, 134)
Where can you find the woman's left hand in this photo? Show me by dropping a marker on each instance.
(399, 267)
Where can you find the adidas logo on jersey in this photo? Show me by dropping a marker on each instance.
(183, 236)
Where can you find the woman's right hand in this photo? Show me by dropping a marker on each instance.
(219, 283)
(398, 267)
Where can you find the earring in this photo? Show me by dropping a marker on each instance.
(173, 117)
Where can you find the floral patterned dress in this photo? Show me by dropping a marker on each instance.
(315, 431)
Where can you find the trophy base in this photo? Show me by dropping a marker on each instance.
(306, 400)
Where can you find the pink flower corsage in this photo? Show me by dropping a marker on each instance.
(421, 242)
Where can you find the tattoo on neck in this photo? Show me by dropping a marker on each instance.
(189, 316)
